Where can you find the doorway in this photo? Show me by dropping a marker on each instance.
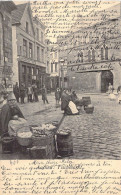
(106, 78)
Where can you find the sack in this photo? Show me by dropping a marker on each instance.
(73, 108)
(20, 125)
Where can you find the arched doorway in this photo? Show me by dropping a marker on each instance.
(106, 78)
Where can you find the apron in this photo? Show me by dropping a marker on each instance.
(73, 108)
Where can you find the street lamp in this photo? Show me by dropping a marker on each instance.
(62, 72)
(73, 78)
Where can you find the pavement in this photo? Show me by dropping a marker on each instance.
(95, 136)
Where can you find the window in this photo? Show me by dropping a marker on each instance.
(37, 34)
(38, 53)
(32, 71)
(51, 67)
(27, 27)
(37, 71)
(102, 53)
(30, 50)
(42, 55)
(93, 55)
(47, 66)
(89, 56)
(42, 37)
(56, 67)
(80, 56)
(106, 53)
(20, 50)
(24, 48)
(28, 70)
(24, 69)
(90, 37)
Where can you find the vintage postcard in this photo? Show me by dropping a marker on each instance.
(60, 97)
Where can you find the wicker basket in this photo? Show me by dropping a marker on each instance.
(89, 110)
(24, 141)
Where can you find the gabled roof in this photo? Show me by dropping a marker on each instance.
(18, 13)
(8, 5)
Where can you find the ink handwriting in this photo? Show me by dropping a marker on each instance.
(60, 177)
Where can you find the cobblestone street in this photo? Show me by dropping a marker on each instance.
(95, 136)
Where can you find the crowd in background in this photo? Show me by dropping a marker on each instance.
(31, 91)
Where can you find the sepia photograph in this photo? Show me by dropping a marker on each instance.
(60, 94)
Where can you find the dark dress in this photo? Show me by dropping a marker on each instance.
(7, 113)
(65, 99)
(16, 92)
(22, 93)
(35, 90)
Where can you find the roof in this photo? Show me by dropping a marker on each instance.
(9, 5)
(18, 13)
(35, 18)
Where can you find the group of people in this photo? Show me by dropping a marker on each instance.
(9, 109)
(31, 91)
(111, 93)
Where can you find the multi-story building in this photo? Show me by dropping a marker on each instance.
(29, 47)
(47, 58)
(54, 67)
(6, 61)
(93, 55)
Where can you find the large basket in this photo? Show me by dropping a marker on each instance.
(89, 110)
(8, 144)
(24, 141)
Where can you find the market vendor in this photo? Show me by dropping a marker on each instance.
(76, 100)
(67, 105)
(8, 111)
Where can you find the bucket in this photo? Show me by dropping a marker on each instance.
(8, 144)
(64, 144)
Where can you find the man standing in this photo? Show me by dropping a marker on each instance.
(22, 93)
(29, 93)
(16, 91)
(44, 95)
(57, 95)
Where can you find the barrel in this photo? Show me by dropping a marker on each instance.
(8, 144)
(64, 144)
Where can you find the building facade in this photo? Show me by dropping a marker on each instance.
(93, 56)
(54, 67)
(6, 61)
(29, 64)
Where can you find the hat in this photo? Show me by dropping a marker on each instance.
(11, 96)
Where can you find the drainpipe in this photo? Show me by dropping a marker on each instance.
(4, 77)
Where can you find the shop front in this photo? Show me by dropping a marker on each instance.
(31, 74)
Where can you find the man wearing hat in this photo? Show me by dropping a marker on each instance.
(9, 110)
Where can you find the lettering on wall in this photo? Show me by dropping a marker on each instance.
(91, 67)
